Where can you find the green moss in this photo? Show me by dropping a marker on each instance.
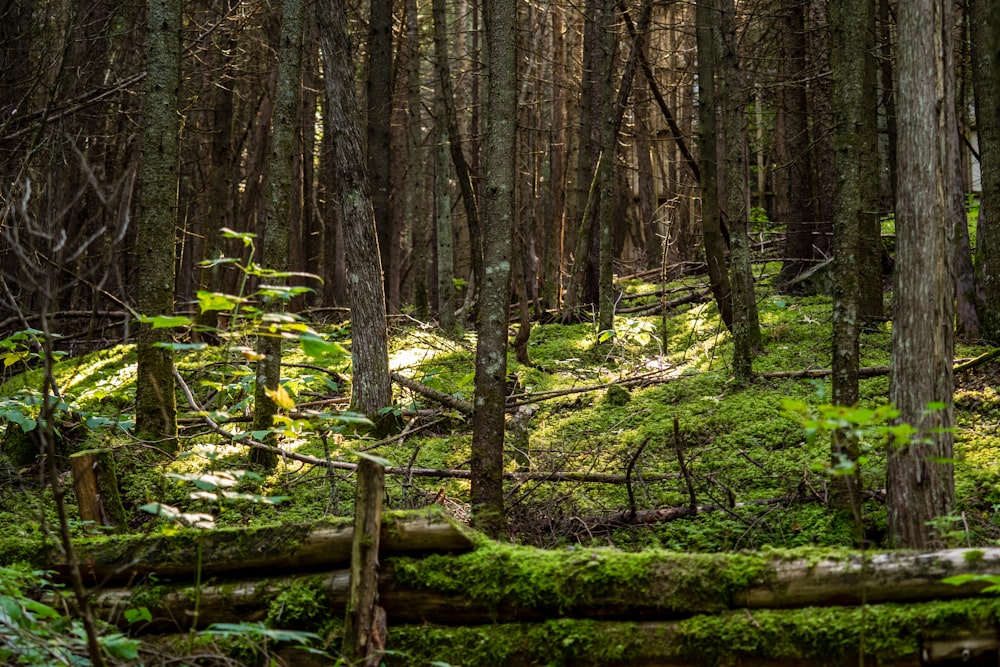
(305, 605)
(819, 636)
(501, 576)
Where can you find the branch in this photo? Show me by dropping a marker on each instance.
(444, 399)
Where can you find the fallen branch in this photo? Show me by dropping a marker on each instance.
(863, 372)
(444, 399)
(663, 306)
(977, 361)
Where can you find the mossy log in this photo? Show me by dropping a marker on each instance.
(501, 584)
(324, 544)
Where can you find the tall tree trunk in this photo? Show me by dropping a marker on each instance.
(707, 20)
(794, 197)
(414, 184)
(854, 206)
(498, 226)
(985, 64)
(605, 171)
(371, 389)
(445, 243)
(278, 216)
(379, 118)
(920, 472)
(746, 328)
(156, 408)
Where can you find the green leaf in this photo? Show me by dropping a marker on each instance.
(140, 614)
(181, 347)
(121, 647)
(371, 457)
(316, 347)
(217, 301)
(166, 321)
(246, 237)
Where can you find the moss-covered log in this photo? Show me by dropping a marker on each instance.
(293, 547)
(502, 584)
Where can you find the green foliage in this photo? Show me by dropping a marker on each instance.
(34, 633)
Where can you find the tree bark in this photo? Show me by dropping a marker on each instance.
(371, 389)
(95, 483)
(498, 227)
(920, 472)
(156, 405)
(707, 19)
(746, 328)
(364, 628)
(278, 217)
(984, 66)
(379, 117)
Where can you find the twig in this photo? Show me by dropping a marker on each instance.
(445, 399)
(628, 476)
(679, 450)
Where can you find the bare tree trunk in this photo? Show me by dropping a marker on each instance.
(707, 19)
(278, 216)
(379, 117)
(920, 472)
(371, 389)
(746, 329)
(498, 226)
(156, 405)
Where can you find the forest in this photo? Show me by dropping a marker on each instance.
(513, 332)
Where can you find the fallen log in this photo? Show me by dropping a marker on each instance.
(504, 584)
(243, 551)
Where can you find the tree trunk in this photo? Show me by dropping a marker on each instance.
(985, 64)
(278, 217)
(365, 628)
(605, 171)
(498, 226)
(379, 118)
(746, 329)
(371, 389)
(156, 405)
(920, 472)
(707, 18)
(852, 40)
(794, 197)
(442, 173)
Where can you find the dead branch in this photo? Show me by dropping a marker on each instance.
(439, 396)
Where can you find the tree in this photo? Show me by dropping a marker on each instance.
(278, 215)
(379, 118)
(713, 230)
(371, 389)
(500, 20)
(920, 472)
(984, 66)
(853, 43)
(746, 328)
(156, 407)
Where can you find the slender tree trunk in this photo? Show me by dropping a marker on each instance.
(379, 117)
(920, 472)
(746, 329)
(156, 408)
(445, 245)
(985, 63)
(498, 218)
(605, 171)
(371, 389)
(278, 216)
(414, 184)
(794, 198)
(852, 40)
(707, 19)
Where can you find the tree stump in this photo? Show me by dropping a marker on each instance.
(96, 485)
(365, 625)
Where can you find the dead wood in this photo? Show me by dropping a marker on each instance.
(668, 589)
(439, 396)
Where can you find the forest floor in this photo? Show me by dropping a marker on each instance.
(641, 421)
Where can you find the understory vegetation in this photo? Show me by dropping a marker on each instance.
(645, 418)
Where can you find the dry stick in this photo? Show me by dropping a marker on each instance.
(694, 297)
(679, 450)
(439, 473)
(628, 477)
(445, 399)
(650, 378)
(875, 371)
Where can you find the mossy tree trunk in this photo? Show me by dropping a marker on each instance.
(921, 485)
(498, 232)
(371, 389)
(442, 174)
(156, 405)
(278, 216)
